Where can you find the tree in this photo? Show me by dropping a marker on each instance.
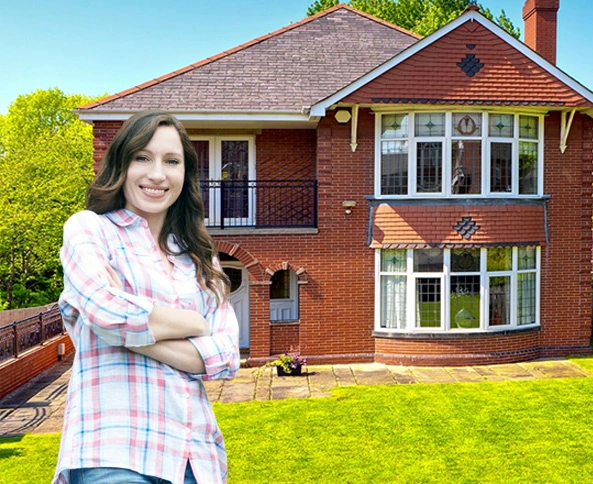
(45, 166)
(419, 16)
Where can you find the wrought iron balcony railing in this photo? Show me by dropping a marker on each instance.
(260, 203)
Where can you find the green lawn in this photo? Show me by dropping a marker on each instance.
(510, 432)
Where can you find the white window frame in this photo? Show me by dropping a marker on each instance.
(486, 141)
(411, 277)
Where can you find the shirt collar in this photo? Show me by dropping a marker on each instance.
(124, 217)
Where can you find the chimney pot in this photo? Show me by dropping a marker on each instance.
(541, 26)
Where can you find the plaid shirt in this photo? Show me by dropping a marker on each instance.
(124, 409)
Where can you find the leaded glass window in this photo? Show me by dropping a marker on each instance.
(501, 167)
(430, 124)
(458, 289)
(501, 125)
(429, 167)
(459, 154)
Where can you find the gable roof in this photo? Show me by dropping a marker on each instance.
(283, 72)
(431, 72)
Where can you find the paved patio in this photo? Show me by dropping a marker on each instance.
(38, 407)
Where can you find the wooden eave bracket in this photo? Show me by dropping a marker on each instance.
(354, 128)
(565, 129)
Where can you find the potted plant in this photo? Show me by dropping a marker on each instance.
(287, 364)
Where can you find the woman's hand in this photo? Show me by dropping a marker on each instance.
(113, 279)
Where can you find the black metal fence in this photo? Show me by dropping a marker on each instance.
(260, 203)
(19, 336)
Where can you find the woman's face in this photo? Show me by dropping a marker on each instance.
(155, 176)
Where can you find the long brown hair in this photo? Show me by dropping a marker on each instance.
(184, 219)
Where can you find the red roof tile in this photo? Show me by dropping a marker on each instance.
(433, 74)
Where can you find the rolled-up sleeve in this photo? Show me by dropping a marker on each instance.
(117, 317)
(220, 351)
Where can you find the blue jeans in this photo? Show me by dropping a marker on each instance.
(114, 475)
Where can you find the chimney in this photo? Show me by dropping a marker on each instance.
(540, 27)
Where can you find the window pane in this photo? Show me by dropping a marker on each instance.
(501, 156)
(528, 127)
(465, 302)
(501, 125)
(499, 259)
(202, 148)
(465, 260)
(280, 288)
(527, 168)
(394, 126)
(393, 302)
(394, 167)
(526, 298)
(234, 159)
(467, 124)
(430, 124)
(428, 260)
(500, 301)
(527, 258)
(466, 167)
(393, 260)
(428, 302)
(429, 162)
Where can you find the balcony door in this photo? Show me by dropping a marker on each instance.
(227, 164)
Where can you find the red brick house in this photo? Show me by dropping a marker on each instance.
(377, 196)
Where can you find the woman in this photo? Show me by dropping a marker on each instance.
(145, 304)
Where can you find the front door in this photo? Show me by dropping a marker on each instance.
(239, 297)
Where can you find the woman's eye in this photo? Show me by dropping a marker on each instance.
(173, 161)
(140, 158)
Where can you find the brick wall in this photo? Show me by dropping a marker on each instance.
(16, 372)
(337, 301)
(103, 134)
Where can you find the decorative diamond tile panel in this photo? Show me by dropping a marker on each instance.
(466, 227)
(470, 64)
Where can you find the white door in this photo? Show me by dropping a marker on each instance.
(239, 297)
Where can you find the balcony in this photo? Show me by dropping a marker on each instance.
(260, 204)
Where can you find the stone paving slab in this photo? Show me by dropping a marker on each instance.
(372, 374)
(402, 375)
(465, 374)
(432, 375)
(512, 372)
(344, 375)
(39, 406)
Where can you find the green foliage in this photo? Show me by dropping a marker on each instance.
(320, 6)
(45, 166)
(419, 16)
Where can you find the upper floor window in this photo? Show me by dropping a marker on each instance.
(459, 154)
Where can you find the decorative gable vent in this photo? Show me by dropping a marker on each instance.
(470, 64)
(466, 227)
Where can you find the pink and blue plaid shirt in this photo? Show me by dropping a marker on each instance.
(124, 409)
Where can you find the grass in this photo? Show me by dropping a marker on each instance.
(508, 432)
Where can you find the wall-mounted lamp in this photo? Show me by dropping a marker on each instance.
(348, 205)
(342, 116)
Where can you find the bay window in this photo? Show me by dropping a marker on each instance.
(459, 154)
(457, 289)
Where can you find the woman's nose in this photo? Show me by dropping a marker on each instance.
(156, 172)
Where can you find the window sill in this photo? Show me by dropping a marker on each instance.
(454, 334)
(285, 322)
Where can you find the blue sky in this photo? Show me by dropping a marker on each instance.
(94, 47)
